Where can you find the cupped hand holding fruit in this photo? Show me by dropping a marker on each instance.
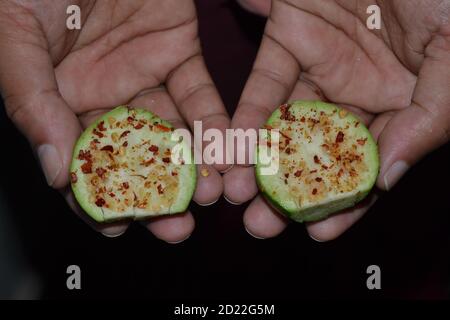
(56, 81)
(395, 79)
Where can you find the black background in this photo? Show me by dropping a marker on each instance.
(406, 233)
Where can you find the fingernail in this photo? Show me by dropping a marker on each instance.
(229, 201)
(256, 237)
(206, 204)
(115, 235)
(50, 162)
(175, 242)
(315, 239)
(394, 173)
(227, 169)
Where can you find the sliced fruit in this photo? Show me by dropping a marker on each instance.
(122, 167)
(328, 160)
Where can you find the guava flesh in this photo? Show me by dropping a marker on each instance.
(328, 160)
(122, 168)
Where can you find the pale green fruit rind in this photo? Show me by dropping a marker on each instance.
(280, 195)
(186, 173)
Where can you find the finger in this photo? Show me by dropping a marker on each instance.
(425, 125)
(262, 221)
(32, 100)
(172, 229)
(261, 7)
(239, 184)
(269, 85)
(209, 185)
(333, 226)
(197, 99)
(379, 123)
(110, 230)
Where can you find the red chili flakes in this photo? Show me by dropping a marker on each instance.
(93, 145)
(73, 177)
(124, 134)
(316, 160)
(174, 173)
(338, 158)
(313, 171)
(298, 173)
(98, 133)
(302, 119)
(314, 191)
(100, 202)
(318, 179)
(85, 155)
(160, 189)
(101, 126)
(100, 172)
(86, 167)
(139, 126)
(108, 148)
(314, 121)
(288, 150)
(166, 160)
(162, 128)
(285, 135)
(148, 162)
(285, 113)
(111, 194)
(361, 142)
(324, 167)
(142, 205)
(125, 185)
(340, 137)
(125, 144)
(341, 172)
(130, 119)
(286, 175)
(153, 148)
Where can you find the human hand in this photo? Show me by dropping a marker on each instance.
(395, 79)
(56, 81)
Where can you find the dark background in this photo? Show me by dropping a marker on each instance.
(406, 233)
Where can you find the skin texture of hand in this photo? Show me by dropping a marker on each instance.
(56, 81)
(395, 79)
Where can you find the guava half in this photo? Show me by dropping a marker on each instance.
(328, 160)
(122, 167)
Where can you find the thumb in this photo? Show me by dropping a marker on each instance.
(32, 100)
(424, 126)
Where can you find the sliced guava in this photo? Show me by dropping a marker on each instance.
(122, 167)
(328, 160)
